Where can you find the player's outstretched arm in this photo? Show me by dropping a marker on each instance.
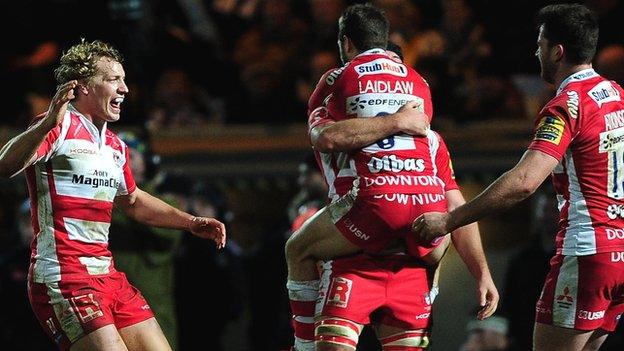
(356, 133)
(150, 210)
(19, 152)
(467, 242)
(512, 187)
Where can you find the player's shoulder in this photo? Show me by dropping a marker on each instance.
(333, 75)
(114, 141)
(566, 103)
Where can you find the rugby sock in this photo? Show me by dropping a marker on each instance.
(302, 295)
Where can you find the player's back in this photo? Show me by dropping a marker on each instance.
(584, 126)
(373, 85)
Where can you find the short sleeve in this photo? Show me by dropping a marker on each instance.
(127, 185)
(317, 110)
(554, 130)
(52, 140)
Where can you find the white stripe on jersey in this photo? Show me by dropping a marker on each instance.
(96, 265)
(86, 231)
(79, 164)
(434, 145)
(46, 267)
(330, 176)
(580, 237)
(566, 293)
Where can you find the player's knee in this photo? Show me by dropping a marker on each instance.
(336, 334)
(406, 340)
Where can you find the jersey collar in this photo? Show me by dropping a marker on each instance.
(577, 76)
(98, 136)
(374, 51)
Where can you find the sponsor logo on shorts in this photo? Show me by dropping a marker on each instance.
(392, 163)
(564, 300)
(423, 316)
(355, 230)
(87, 307)
(542, 310)
(614, 211)
(617, 256)
(339, 292)
(614, 234)
(381, 66)
(591, 316)
(604, 92)
(550, 129)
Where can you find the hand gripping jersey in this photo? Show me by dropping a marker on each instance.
(72, 185)
(373, 84)
(583, 128)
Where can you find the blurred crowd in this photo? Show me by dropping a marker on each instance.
(203, 62)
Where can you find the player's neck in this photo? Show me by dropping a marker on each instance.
(569, 70)
(97, 122)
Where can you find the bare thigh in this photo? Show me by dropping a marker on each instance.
(550, 338)
(145, 336)
(103, 339)
(319, 238)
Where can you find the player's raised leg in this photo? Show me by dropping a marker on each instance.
(317, 239)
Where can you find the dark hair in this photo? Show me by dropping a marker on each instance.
(395, 48)
(365, 25)
(572, 25)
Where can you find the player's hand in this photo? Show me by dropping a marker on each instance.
(488, 298)
(209, 228)
(60, 101)
(411, 120)
(430, 226)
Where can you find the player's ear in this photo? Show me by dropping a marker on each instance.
(558, 52)
(82, 88)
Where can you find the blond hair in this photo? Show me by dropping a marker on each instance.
(79, 61)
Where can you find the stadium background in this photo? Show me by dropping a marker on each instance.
(219, 88)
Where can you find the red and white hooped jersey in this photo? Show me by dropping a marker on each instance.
(72, 185)
(373, 84)
(583, 128)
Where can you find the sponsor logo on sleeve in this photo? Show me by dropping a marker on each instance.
(550, 129)
(573, 103)
(331, 78)
(604, 92)
(381, 66)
